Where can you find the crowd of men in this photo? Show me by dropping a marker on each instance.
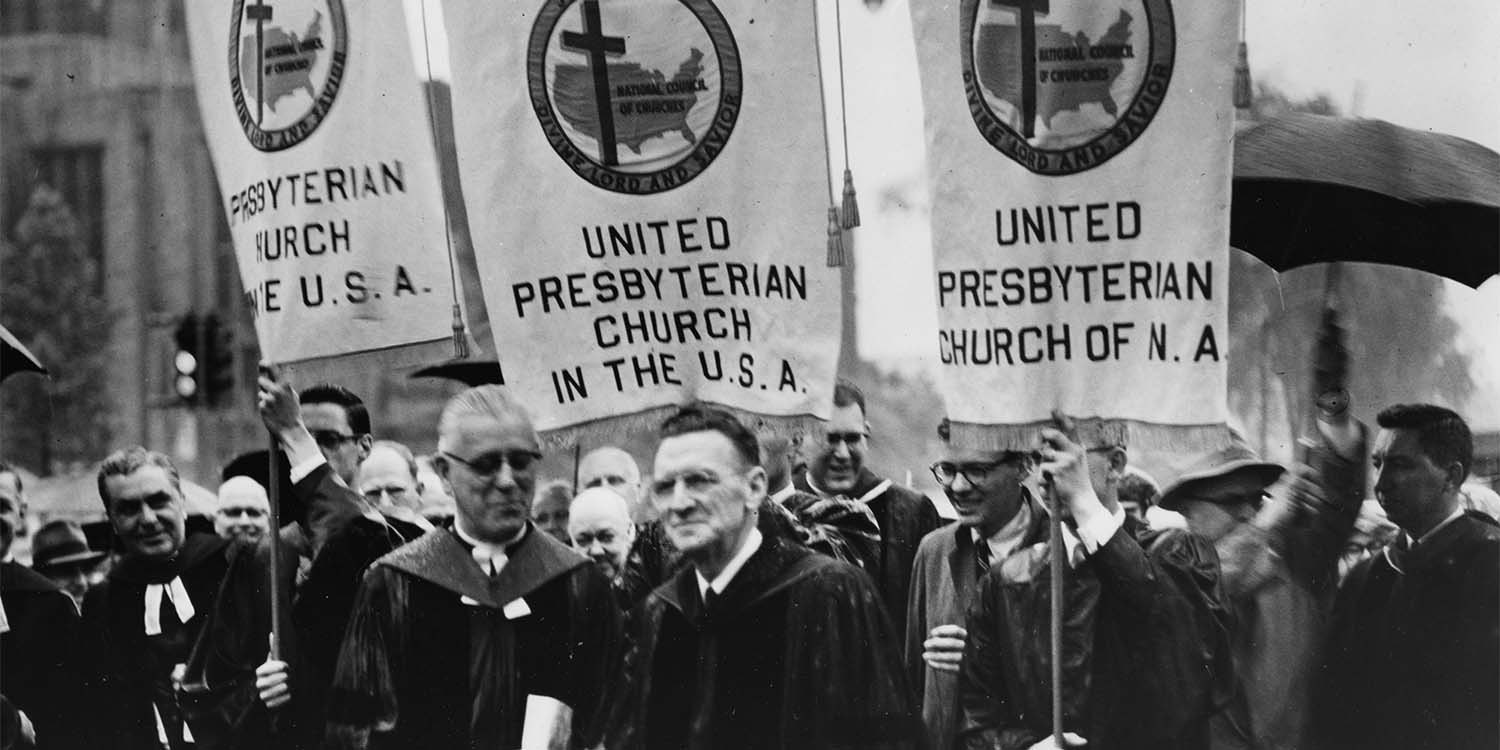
(739, 597)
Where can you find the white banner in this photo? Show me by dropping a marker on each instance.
(654, 189)
(1079, 157)
(319, 135)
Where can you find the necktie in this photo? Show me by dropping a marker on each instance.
(710, 601)
(981, 557)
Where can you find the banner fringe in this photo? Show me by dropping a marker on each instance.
(614, 430)
(1095, 432)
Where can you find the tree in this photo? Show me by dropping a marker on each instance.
(51, 304)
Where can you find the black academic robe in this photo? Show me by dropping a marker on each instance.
(439, 656)
(321, 610)
(130, 670)
(37, 664)
(1412, 659)
(1145, 646)
(797, 653)
(904, 518)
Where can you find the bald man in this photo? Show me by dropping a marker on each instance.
(243, 511)
(599, 527)
(616, 469)
(457, 634)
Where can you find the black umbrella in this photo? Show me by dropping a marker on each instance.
(14, 357)
(1315, 189)
(467, 371)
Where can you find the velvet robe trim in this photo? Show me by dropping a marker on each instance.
(441, 559)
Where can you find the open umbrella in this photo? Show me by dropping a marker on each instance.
(467, 371)
(14, 357)
(1315, 189)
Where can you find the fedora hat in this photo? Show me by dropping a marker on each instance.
(61, 543)
(1235, 458)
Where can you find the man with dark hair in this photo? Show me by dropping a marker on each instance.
(903, 516)
(1413, 654)
(1144, 638)
(474, 635)
(38, 632)
(340, 423)
(755, 643)
(995, 515)
(162, 669)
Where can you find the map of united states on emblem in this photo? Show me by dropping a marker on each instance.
(287, 61)
(647, 103)
(1072, 70)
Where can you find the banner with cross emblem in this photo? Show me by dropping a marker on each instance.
(1079, 162)
(319, 135)
(655, 194)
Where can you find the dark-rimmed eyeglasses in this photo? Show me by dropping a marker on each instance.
(847, 438)
(330, 440)
(489, 464)
(975, 473)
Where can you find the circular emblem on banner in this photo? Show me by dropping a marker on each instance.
(286, 61)
(1062, 86)
(636, 98)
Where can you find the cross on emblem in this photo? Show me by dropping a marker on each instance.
(1027, 10)
(259, 13)
(592, 42)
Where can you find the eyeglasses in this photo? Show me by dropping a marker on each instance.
(330, 440)
(947, 472)
(246, 512)
(489, 464)
(395, 492)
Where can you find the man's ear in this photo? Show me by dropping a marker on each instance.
(365, 443)
(1456, 474)
(1117, 460)
(440, 466)
(757, 479)
(868, 433)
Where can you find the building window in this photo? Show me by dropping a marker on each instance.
(53, 17)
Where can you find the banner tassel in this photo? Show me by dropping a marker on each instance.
(460, 337)
(851, 204)
(835, 238)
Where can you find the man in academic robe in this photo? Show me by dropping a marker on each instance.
(387, 482)
(38, 634)
(1412, 658)
(460, 638)
(995, 515)
(174, 634)
(755, 643)
(1145, 658)
(904, 516)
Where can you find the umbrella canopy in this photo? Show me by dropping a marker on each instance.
(14, 357)
(467, 371)
(1315, 189)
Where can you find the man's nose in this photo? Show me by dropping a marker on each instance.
(148, 515)
(505, 478)
(840, 449)
(595, 548)
(961, 483)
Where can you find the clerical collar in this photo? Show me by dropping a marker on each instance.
(721, 581)
(1010, 536)
(874, 492)
(785, 493)
(476, 543)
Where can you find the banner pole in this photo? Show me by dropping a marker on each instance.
(1057, 615)
(273, 496)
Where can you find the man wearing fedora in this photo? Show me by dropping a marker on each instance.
(1278, 558)
(61, 552)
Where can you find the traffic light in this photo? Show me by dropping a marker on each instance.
(203, 364)
(185, 361)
